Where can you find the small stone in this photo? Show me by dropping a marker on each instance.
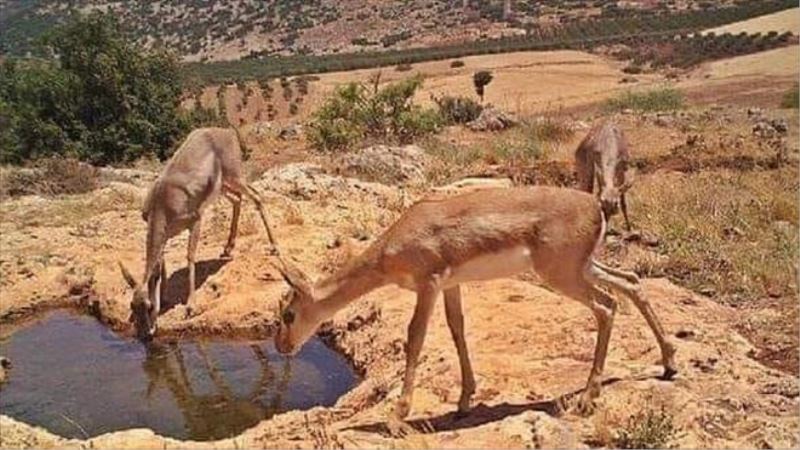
(708, 291)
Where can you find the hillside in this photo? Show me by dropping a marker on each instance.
(217, 31)
(788, 20)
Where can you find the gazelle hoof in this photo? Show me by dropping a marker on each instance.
(584, 406)
(397, 427)
(669, 373)
(401, 409)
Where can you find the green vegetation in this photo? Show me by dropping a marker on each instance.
(791, 98)
(481, 79)
(662, 99)
(356, 112)
(688, 51)
(648, 429)
(454, 110)
(99, 98)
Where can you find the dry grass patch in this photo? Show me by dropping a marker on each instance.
(49, 177)
(733, 234)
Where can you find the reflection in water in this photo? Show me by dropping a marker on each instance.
(213, 414)
(73, 376)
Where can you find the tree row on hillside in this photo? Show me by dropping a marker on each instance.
(586, 34)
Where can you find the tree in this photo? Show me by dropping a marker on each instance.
(506, 9)
(481, 79)
(98, 97)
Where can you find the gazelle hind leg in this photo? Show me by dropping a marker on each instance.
(632, 291)
(256, 198)
(236, 201)
(579, 286)
(455, 321)
(627, 276)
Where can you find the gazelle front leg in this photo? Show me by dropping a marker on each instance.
(194, 238)
(426, 297)
(455, 321)
(624, 207)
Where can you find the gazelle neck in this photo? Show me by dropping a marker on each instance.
(346, 285)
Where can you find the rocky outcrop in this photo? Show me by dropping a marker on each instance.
(307, 181)
(492, 119)
(395, 165)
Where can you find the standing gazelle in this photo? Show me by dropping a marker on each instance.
(209, 162)
(439, 244)
(603, 155)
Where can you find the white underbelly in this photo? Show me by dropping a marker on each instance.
(489, 266)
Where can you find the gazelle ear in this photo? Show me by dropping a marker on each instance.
(128, 277)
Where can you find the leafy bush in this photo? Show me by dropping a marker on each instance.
(647, 429)
(356, 112)
(99, 98)
(455, 110)
(791, 98)
(662, 99)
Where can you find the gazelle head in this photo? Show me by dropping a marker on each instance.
(611, 193)
(298, 317)
(142, 314)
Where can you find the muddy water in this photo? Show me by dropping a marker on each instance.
(76, 378)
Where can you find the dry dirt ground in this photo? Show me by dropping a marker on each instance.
(531, 348)
(788, 20)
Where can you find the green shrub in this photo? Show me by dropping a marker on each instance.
(355, 112)
(662, 99)
(791, 98)
(647, 429)
(455, 110)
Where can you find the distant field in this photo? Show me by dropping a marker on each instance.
(788, 20)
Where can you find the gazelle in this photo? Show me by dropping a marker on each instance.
(603, 155)
(438, 244)
(209, 162)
